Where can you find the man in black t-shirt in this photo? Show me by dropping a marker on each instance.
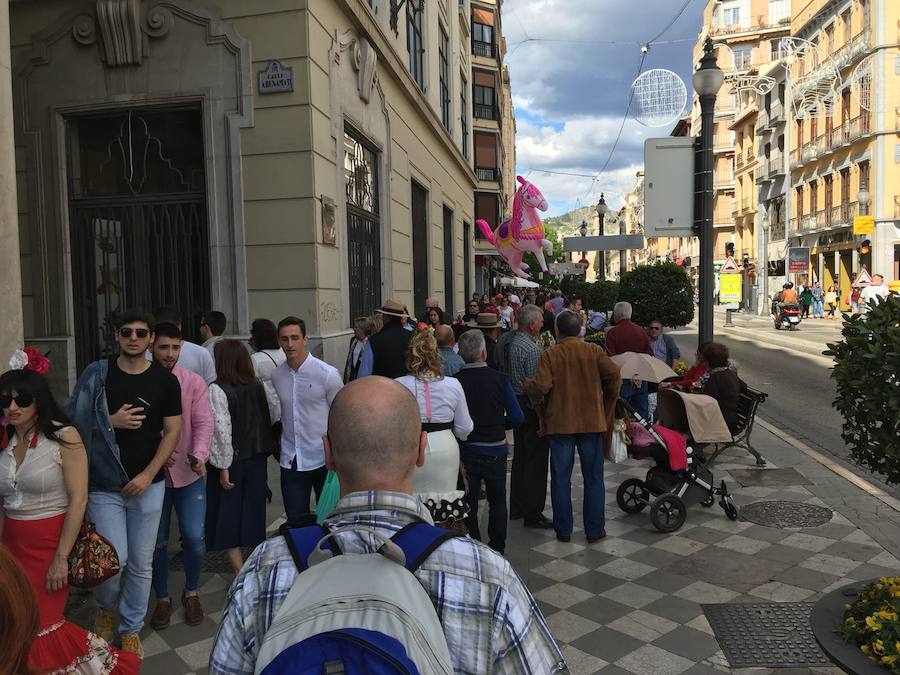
(126, 489)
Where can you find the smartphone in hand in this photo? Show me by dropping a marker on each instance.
(193, 460)
(141, 403)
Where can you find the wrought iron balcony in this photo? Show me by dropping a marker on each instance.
(485, 112)
(488, 49)
(487, 174)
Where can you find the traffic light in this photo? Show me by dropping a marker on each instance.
(864, 247)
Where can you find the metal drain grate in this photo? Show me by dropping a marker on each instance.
(766, 635)
(785, 514)
(214, 562)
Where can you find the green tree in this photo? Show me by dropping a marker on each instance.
(659, 291)
(867, 374)
(602, 295)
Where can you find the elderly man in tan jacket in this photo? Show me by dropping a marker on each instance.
(580, 385)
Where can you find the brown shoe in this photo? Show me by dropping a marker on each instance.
(162, 614)
(132, 643)
(193, 611)
(105, 624)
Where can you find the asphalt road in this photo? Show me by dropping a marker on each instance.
(800, 392)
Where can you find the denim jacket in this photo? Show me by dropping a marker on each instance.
(88, 409)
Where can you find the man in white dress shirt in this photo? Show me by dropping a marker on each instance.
(306, 386)
(193, 357)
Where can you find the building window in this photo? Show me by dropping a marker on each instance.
(444, 58)
(846, 26)
(448, 260)
(464, 115)
(415, 44)
(731, 16)
(487, 208)
(486, 157)
(485, 105)
(483, 32)
(779, 11)
(362, 185)
(420, 265)
(743, 57)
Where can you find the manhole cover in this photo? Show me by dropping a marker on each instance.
(214, 562)
(766, 635)
(785, 514)
(769, 477)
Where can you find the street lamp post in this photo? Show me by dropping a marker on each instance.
(708, 80)
(623, 254)
(602, 208)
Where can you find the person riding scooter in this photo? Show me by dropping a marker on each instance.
(788, 300)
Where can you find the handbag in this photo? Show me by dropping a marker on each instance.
(618, 447)
(92, 559)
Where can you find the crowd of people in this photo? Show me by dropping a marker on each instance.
(415, 429)
(814, 301)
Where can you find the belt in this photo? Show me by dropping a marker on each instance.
(437, 426)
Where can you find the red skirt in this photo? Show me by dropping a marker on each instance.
(60, 646)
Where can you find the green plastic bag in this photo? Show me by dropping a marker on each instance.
(331, 493)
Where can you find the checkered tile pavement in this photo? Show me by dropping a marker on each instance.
(631, 603)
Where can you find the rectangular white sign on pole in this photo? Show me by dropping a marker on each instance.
(669, 186)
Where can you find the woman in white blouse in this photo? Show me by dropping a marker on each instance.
(242, 440)
(445, 416)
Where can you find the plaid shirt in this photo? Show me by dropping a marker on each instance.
(491, 621)
(523, 358)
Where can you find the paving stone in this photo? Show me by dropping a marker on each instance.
(581, 662)
(885, 559)
(625, 568)
(601, 609)
(617, 546)
(558, 549)
(653, 659)
(689, 643)
(568, 627)
(706, 593)
(589, 557)
(560, 570)
(701, 624)
(562, 595)
(638, 627)
(632, 594)
(729, 569)
(679, 610)
(607, 644)
(707, 535)
(680, 546)
(647, 535)
(860, 537)
(665, 581)
(830, 564)
(777, 591)
(807, 542)
(784, 554)
(196, 654)
(807, 578)
(859, 552)
(772, 535)
(613, 669)
(702, 669)
(743, 544)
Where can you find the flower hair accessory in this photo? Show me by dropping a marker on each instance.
(29, 358)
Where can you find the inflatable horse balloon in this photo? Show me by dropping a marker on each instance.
(523, 232)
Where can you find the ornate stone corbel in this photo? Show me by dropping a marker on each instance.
(363, 59)
(123, 31)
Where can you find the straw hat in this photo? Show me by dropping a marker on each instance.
(485, 320)
(393, 308)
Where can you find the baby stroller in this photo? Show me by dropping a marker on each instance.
(680, 477)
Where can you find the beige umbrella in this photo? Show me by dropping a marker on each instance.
(634, 366)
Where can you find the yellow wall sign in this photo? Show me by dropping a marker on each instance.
(730, 289)
(864, 225)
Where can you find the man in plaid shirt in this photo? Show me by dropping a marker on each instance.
(518, 357)
(375, 441)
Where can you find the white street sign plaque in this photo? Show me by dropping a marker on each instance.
(275, 78)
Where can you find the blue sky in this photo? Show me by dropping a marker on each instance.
(571, 88)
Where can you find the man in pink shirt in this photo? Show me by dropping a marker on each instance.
(185, 487)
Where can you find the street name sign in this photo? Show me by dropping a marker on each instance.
(730, 288)
(275, 78)
(669, 186)
(798, 260)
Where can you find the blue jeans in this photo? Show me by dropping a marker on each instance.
(636, 397)
(562, 461)
(492, 470)
(818, 308)
(190, 507)
(296, 488)
(130, 524)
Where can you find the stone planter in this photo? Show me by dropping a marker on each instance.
(826, 618)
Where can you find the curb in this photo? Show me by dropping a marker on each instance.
(843, 472)
(799, 348)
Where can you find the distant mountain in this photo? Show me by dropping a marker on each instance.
(567, 224)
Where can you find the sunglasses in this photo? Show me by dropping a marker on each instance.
(23, 400)
(140, 332)
(655, 327)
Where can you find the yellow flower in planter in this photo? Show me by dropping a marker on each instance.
(878, 647)
(887, 616)
(872, 623)
(865, 649)
(888, 660)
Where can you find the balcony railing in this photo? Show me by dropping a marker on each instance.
(746, 205)
(776, 113)
(738, 160)
(485, 112)
(723, 142)
(723, 179)
(488, 49)
(859, 126)
(840, 135)
(487, 174)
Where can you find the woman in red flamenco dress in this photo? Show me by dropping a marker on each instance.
(43, 487)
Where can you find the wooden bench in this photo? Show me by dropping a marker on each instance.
(748, 402)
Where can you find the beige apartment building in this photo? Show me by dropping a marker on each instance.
(748, 35)
(845, 150)
(494, 130)
(265, 158)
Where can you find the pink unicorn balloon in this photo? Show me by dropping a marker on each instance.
(523, 232)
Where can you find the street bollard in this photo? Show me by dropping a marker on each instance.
(728, 323)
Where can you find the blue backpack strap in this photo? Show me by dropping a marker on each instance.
(301, 542)
(419, 540)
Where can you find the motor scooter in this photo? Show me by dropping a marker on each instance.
(787, 317)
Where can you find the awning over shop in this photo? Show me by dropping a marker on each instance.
(483, 16)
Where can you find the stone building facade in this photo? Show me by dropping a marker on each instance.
(265, 158)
